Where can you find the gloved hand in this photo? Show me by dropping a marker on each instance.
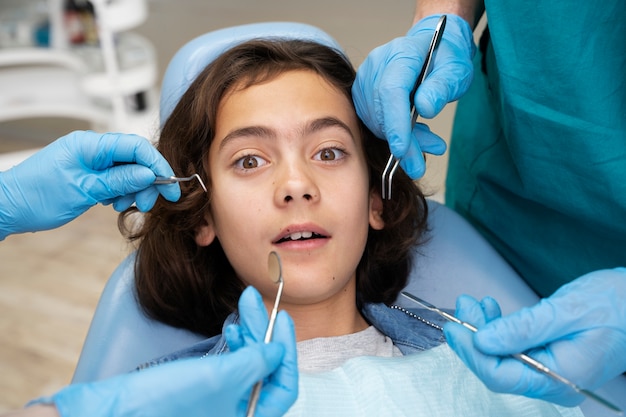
(75, 172)
(210, 386)
(579, 332)
(281, 388)
(385, 79)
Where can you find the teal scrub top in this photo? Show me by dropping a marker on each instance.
(538, 149)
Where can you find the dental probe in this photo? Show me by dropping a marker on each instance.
(172, 180)
(275, 269)
(522, 357)
(393, 162)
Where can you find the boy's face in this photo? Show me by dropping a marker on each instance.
(289, 175)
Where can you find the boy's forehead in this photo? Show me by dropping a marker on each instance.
(301, 85)
(291, 100)
(262, 78)
(298, 85)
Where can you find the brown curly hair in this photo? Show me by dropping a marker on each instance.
(193, 287)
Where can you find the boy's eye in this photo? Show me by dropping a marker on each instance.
(330, 154)
(250, 162)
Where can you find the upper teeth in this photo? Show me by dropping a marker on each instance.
(299, 235)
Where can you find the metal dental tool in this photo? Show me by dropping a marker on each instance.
(522, 357)
(393, 163)
(275, 269)
(172, 180)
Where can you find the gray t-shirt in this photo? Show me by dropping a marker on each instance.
(327, 353)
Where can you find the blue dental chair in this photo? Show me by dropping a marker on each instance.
(455, 260)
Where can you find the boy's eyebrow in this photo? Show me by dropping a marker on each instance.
(258, 131)
(325, 122)
(310, 128)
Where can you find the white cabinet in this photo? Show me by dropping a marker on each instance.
(111, 83)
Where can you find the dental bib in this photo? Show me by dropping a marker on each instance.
(430, 383)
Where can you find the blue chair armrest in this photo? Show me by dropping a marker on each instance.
(121, 336)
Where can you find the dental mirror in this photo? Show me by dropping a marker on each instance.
(275, 269)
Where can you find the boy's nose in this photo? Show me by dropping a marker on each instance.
(296, 183)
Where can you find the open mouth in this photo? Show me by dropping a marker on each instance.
(300, 236)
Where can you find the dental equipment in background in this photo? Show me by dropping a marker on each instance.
(393, 163)
(522, 357)
(172, 180)
(275, 269)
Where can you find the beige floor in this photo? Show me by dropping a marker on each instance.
(49, 287)
(50, 281)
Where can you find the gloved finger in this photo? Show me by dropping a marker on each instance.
(121, 203)
(134, 178)
(421, 140)
(490, 308)
(461, 339)
(428, 141)
(126, 179)
(451, 69)
(122, 180)
(224, 380)
(527, 328)
(171, 192)
(129, 148)
(461, 342)
(247, 366)
(285, 333)
(215, 385)
(253, 315)
(503, 373)
(393, 102)
(498, 374)
(363, 98)
(449, 79)
(443, 86)
(281, 388)
(103, 151)
(146, 198)
(468, 309)
(385, 80)
(413, 162)
(570, 312)
(234, 338)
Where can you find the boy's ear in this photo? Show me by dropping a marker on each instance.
(376, 211)
(205, 234)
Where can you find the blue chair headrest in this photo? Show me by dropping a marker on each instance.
(194, 56)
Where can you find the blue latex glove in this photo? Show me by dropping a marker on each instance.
(212, 386)
(67, 177)
(385, 79)
(253, 321)
(579, 332)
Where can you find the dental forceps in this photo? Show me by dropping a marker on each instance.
(393, 162)
(172, 180)
(522, 357)
(275, 268)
